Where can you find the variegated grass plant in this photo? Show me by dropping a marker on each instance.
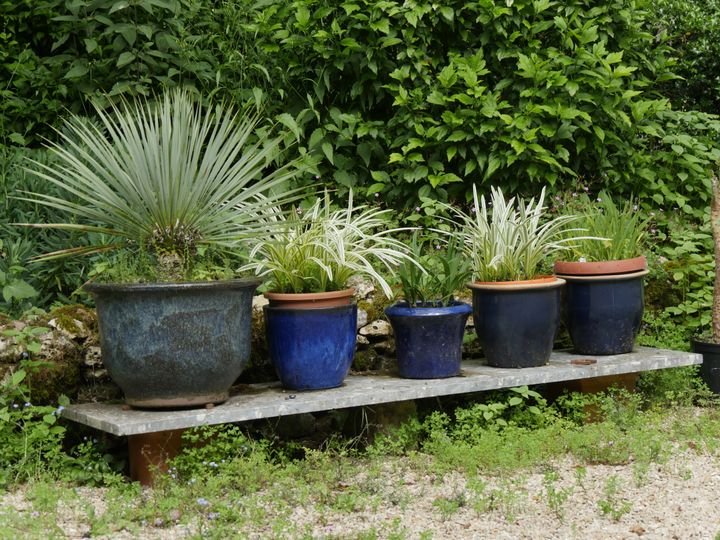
(320, 249)
(168, 178)
(617, 231)
(510, 240)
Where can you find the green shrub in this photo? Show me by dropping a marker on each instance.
(54, 280)
(693, 29)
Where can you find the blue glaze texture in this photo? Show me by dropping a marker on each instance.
(175, 344)
(311, 349)
(603, 317)
(428, 340)
(516, 328)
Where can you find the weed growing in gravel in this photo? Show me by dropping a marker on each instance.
(447, 506)
(555, 497)
(613, 504)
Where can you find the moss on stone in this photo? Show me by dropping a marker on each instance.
(54, 378)
(66, 317)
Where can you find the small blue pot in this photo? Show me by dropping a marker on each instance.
(428, 340)
(311, 349)
(604, 312)
(516, 323)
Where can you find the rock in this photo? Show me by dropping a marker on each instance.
(376, 330)
(258, 302)
(362, 318)
(92, 357)
(73, 328)
(470, 323)
(361, 342)
(363, 287)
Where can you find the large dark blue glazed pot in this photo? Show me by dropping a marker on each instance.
(710, 368)
(516, 322)
(604, 312)
(311, 348)
(169, 345)
(428, 340)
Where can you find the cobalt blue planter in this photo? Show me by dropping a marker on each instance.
(311, 348)
(516, 322)
(170, 345)
(604, 312)
(428, 340)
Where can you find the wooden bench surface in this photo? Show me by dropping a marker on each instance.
(268, 400)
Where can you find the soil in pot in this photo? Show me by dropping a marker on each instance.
(604, 313)
(516, 321)
(311, 349)
(428, 340)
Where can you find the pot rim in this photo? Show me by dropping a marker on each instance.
(240, 283)
(305, 297)
(456, 308)
(617, 266)
(604, 277)
(542, 282)
(313, 310)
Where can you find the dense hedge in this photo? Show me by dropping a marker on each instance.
(693, 30)
(404, 100)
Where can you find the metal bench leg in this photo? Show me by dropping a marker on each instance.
(149, 454)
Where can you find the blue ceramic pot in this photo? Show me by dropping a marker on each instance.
(313, 348)
(428, 340)
(169, 345)
(516, 322)
(604, 312)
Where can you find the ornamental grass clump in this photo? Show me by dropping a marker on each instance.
(435, 274)
(318, 250)
(508, 240)
(171, 182)
(614, 232)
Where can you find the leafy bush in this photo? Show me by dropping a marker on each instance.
(693, 29)
(414, 100)
(407, 102)
(54, 280)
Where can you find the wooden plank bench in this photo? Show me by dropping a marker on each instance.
(154, 436)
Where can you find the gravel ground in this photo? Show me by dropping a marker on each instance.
(679, 499)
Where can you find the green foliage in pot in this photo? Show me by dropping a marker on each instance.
(319, 249)
(615, 232)
(509, 241)
(164, 186)
(436, 273)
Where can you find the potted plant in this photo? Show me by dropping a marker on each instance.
(429, 324)
(310, 319)
(516, 309)
(164, 190)
(604, 293)
(709, 345)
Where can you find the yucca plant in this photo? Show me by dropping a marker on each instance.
(166, 178)
(509, 241)
(616, 232)
(320, 249)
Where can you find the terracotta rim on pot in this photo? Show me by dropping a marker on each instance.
(311, 300)
(604, 277)
(621, 266)
(542, 282)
